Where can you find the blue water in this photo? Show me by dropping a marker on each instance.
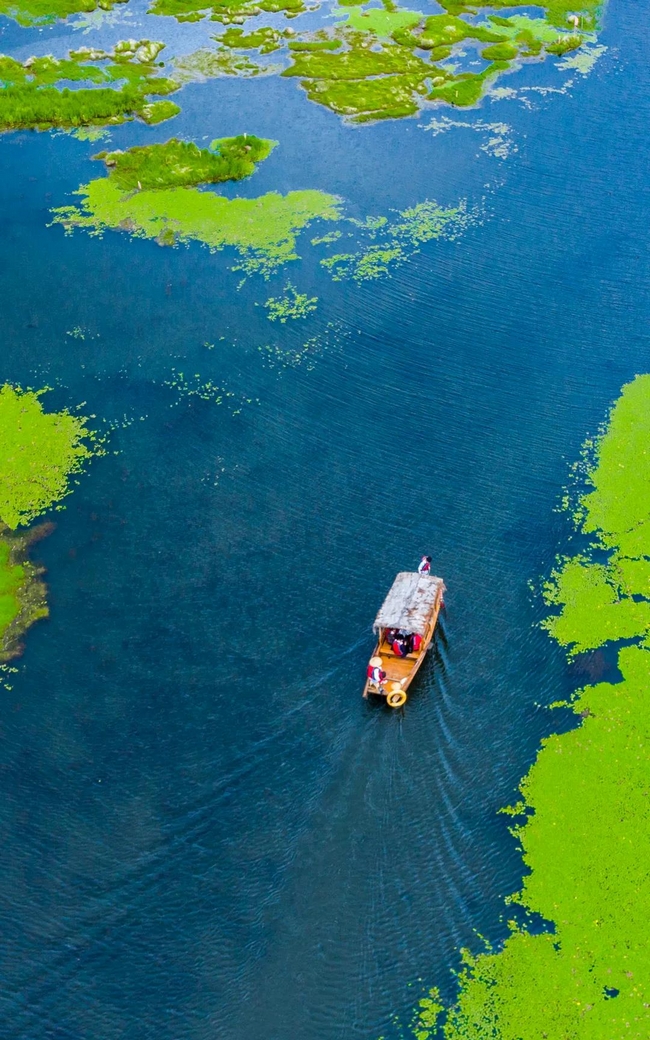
(204, 831)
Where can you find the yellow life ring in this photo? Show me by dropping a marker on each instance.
(396, 698)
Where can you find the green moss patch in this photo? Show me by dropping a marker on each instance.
(265, 40)
(123, 83)
(181, 163)
(586, 833)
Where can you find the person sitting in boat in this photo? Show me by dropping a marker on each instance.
(400, 645)
(416, 643)
(425, 565)
(375, 672)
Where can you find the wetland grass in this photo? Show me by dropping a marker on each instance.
(183, 164)
(123, 85)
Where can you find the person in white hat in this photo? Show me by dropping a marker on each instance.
(375, 672)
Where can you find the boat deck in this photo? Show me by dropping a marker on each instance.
(412, 605)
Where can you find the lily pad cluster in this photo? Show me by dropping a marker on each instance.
(122, 83)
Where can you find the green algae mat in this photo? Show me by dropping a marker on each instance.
(584, 817)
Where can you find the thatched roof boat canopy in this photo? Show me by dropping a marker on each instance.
(410, 603)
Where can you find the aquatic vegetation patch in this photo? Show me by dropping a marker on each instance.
(390, 242)
(617, 513)
(499, 136)
(41, 452)
(583, 820)
(557, 12)
(225, 11)
(263, 230)
(210, 63)
(123, 82)
(584, 61)
(23, 594)
(195, 386)
(182, 163)
(308, 353)
(387, 62)
(291, 304)
(265, 39)
(38, 12)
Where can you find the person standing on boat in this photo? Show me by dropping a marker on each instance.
(425, 565)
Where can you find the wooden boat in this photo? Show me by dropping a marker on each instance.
(412, 606)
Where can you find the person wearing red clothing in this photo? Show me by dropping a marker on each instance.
(425, 565)
(375, 672)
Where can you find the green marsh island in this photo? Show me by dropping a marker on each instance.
(388, 62)
(41, 454)
(583, 821)
(112, 87)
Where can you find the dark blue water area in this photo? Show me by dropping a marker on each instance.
(204, 830)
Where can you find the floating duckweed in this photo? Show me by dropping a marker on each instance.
(584, 61)
(40, 452)
(22, 592)
(586, 831)
(206, 390)
(220, 61)
(331, 236)
(393, 242)
(291, 304)
(263, 230)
